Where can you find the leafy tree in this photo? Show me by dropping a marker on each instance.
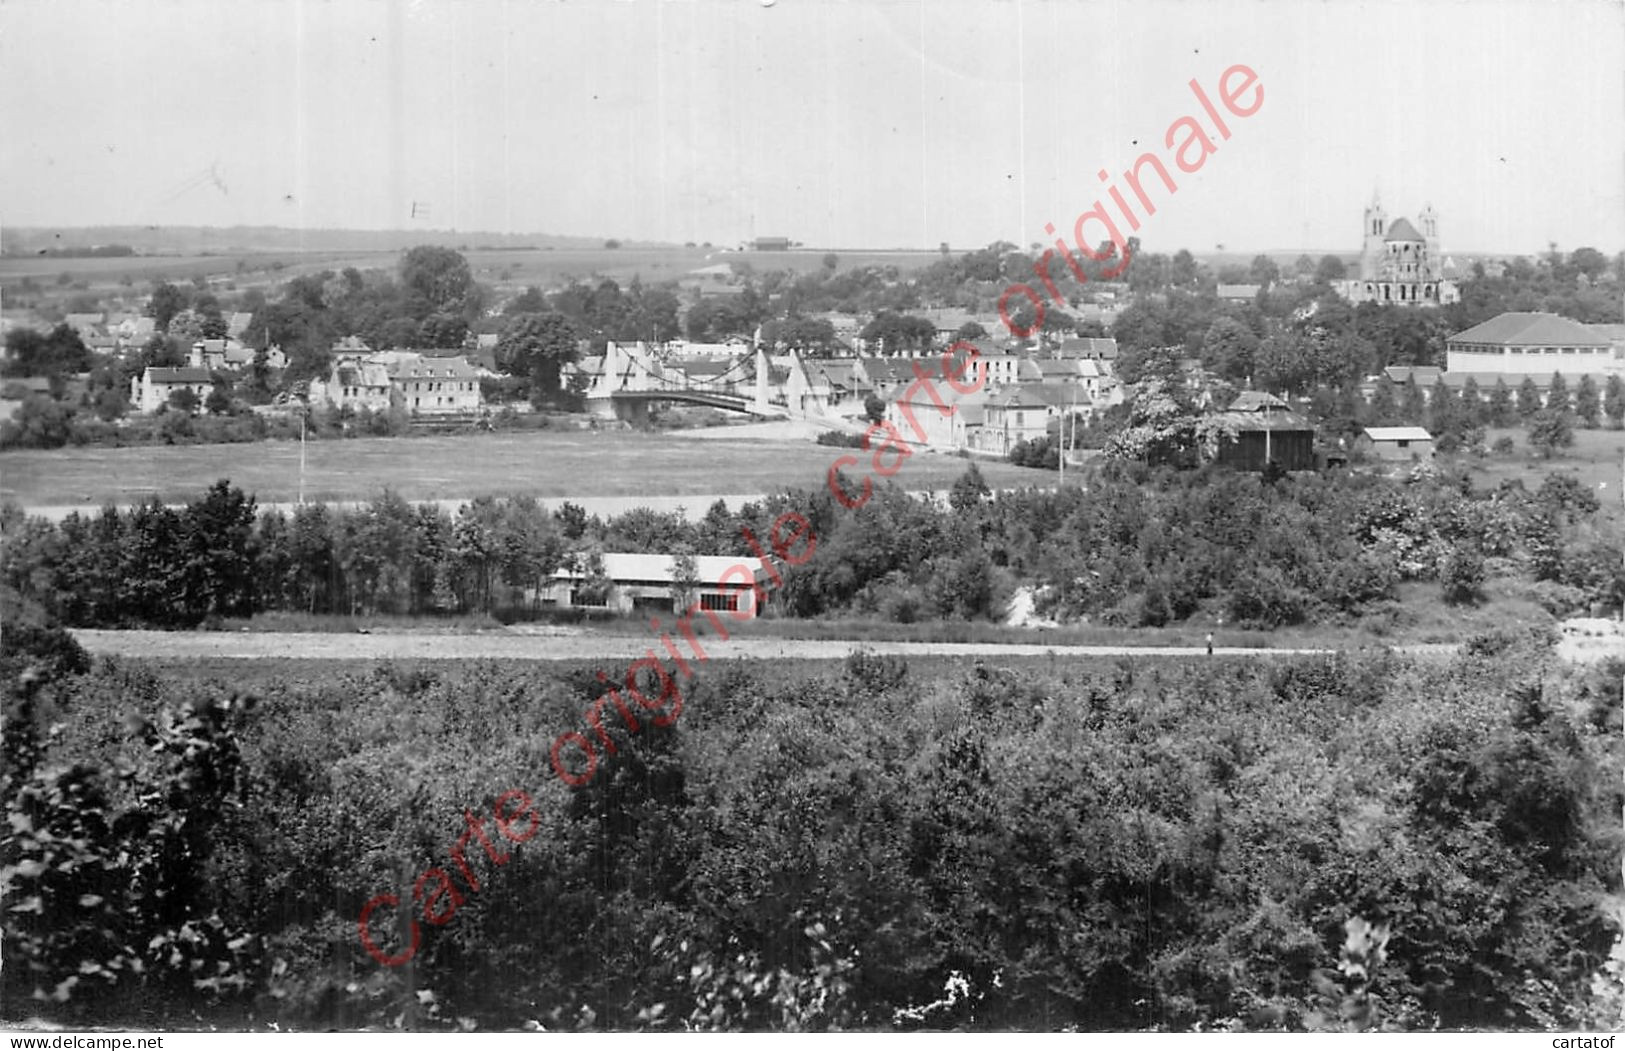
(685, 580)
(1550, 431)
(59, 352)
(1613, 401)
(1330, 268)
(39, 423)
(1462, 575)
(530, 301)
(1263, 271)
(899, 333)
(1413, 406)
(874, 407)
(1183, 269)
(968, 490)
(1471, 406)
(439, 280)
(1500, 412)
(165, 302)
(218, 402)
(970, 330)
(1384, 409)
(538, 346)
(1228, 349)
(1557, 396)
(183, 400)
(1528, 399)
(1587, 405)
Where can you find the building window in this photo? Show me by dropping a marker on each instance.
(725, 601)
(580, 598)
(1404, 443)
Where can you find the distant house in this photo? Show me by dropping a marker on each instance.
(354, 384)
(1517, 344)
(151, 390)
(1266, 431)
(1239, 293)
(435, 386)
(221, 354)
(136, 331)
(1018, 415)
(1398, 444)
(919, 416)
(771, 244)
(1086, 348)
(844, 379)
(651, 582)
(87, 325)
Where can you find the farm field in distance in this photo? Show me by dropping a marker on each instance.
(505, 269)
(527, 463)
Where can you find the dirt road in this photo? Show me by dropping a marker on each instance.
(507, 646)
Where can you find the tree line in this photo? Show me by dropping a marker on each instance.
(1143, 546)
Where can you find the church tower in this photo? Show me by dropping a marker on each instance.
(1430, 234)
(1376, 224)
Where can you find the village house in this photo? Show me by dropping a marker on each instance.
(1397, 444)
(638, 582)
(1266, 431)
(86, 325)
(1239, 293)
(151, 391)
(847, 385)
(434, 386)
(919, 416)
(353, 383)
(1022, 414)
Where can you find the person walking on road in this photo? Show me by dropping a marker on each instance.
(1210, 644)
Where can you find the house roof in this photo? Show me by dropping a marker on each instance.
(1425, 375)
(1087, 347)
(238, 322)
(1258, 401)
(156, 374)
(1398, 434)
(1266, 421)
(1239, 291)
(415, 368)
(1402, 230)
(1517, 329)
(658, 569)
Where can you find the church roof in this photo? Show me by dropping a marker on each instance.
(1531, 330)
(1402, 230)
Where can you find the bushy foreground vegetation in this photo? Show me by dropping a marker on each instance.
(1122, 844)
(1136, 547)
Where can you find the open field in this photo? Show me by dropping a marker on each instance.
(531, 463)
(506, 269)
(1598, 458)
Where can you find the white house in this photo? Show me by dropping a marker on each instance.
(353, 383)
(651, 582)
(435, 386)
(150, 391)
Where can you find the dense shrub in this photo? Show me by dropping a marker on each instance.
(869, 845)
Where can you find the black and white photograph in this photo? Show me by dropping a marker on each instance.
(811, 516)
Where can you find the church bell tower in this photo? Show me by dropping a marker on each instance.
(1376, 225)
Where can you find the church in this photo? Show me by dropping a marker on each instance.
(1399, 265)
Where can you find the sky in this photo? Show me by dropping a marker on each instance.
(877, 124)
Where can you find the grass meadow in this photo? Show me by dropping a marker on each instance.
(545, 464)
